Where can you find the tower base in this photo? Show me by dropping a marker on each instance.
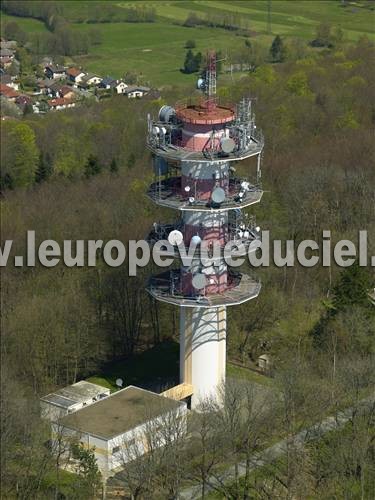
(203, 351)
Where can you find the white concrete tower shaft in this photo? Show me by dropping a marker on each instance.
(203, 350)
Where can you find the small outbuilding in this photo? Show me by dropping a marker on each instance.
(264, 362)
(70, 399)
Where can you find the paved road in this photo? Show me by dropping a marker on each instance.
(277, 450)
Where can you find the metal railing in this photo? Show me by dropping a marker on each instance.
(168, 285)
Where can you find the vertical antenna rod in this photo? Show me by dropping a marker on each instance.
(211, 80)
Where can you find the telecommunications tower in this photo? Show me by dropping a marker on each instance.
(195, 146)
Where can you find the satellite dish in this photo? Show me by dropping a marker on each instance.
(227, 145)
(166, 113)
(199, 281)
(200, 83)
(175, 237)
(187, 188)
(218, 195)
(119, 382)
(196, 239)
(257, 229)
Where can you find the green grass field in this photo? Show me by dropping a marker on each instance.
(27, 24)
(156, 50)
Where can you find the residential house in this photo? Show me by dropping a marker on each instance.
(67, 92)
(92, 79)
(136, 91)
(54, 71)
(22, 101)
(6, 62)
(54, 88)
(8, 44)
(6, 79)
(75, 75)
(7, 54)
(120, 87)
(108, 83)
(42, 86)
(60, 103)
(8, 92)
(112, 84)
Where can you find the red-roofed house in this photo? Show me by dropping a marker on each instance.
(8, 92)
(75, 75)
(67, 92)
(6, 62)
(60, 103)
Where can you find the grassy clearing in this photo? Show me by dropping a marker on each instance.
(289, 17)
(28, 24)
(156, 51)
(238, 372)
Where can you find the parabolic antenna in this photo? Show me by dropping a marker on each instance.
(119, 382)
(200, 83)
(175, 237)
(196, 240)
(227, 144)
(166, 113)
(218, 195)
(199, 281)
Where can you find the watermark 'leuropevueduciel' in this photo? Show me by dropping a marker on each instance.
(135, 254)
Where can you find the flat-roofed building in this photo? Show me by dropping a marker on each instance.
(70, 399)
(119, 428)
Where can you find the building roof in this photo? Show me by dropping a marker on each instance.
(6, 60)
(79, 392)
(74, 72)
(65, 89)
(23, 100)
(5, 79)
(109, 81)
(119, 413)
(135, 88)
(56, 85)
(55, 68)
(60, 101)
(6, 52)
(89, 76)
(8, 44)
(8, 91)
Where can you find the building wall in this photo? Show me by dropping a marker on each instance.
(107, 458)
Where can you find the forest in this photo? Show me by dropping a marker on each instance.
(83, 174)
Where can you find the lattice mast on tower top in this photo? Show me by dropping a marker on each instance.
(211, 80)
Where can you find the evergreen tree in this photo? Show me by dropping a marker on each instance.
(92, 166)
(113, 167)
(277, 50)
(44, 169)
(198, 61)
(88, 469)
(190, 44)
(192, 62)
(353, 287)
(131, 160)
